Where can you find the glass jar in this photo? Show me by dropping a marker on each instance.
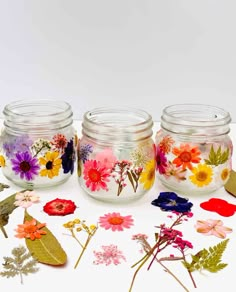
(38, 143)
(116, 154)
(193, 149)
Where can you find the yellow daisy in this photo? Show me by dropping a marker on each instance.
(202, 175)
(225, 174)
(2, 161)
(147, 176)
(52, 164)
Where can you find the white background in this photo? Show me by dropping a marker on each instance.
(142, 53)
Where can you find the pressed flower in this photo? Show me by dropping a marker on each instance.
(30, 229)
(147, 176)
(60, 207)
(115, 221)
(212, 227)
(22, 143)
(170, 201)
(52, 164)
(96, 175)
(186, 155)
(59, 142)
(161, 161)
(176, 172)
(138, 157)
(25, 165)
(110, 254)
(26, 199)
(68, 158)
(2, 161)
(120, 171)
(9, 149)
(224, 175)
(219, 206)
(106, 157)
(202, 175)
(84, 152)
(40, 145)
(166, 144)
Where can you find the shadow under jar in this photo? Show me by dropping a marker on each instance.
(193, 148)
(116, 154)
(38, 143)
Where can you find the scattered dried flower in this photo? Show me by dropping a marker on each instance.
(109, 255)
(59, 207)
(115, 221)
(212, 227)
(26, 199)
(30, 229)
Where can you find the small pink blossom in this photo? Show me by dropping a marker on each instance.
(106, 157)
(26, 199)
(212, 227)
(115, 221)
(109, 255)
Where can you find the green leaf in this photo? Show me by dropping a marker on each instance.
(209, 260)
(217, 158)
(6, 208)
(3, 186)
(47, 249)
(230, 185)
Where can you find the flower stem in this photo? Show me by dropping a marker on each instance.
(4, 231)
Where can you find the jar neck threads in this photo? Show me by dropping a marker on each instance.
(195, 120)
(42, 115)
(117, 125)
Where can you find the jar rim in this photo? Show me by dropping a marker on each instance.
(96, 116)
(15, 107)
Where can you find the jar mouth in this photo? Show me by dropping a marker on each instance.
(41, 114)
(182, 118)
(117, 123)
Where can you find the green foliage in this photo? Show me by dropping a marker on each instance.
(3, 186)
(6, 208)
(216, 158)
(230, 185)
(22, 263)
(209, 260)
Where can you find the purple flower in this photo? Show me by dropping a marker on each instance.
(23, 143)
(84, 152)
(161, 161)
(25, 165)
(68, 158)
(169, 201)
(9, 148)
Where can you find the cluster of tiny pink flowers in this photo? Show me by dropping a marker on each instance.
(109, 255)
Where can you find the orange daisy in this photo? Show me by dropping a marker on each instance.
(30, 229)
(166, 144)
(186, 155)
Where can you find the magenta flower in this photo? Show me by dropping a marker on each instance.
(212, 227)
(109, 255)
(161, 161)
(96, 175)
(25, 165)
(115, 221)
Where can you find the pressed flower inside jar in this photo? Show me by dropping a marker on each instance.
(193, 148)
(116, 154)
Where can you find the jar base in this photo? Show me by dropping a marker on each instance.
(32, 186)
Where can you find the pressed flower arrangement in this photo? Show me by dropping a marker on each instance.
(193, 148)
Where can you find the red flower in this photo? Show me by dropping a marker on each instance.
(59, 207)
(219, 206)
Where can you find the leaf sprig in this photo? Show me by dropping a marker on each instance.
(209, 260)
(21, 263)
(217, 157)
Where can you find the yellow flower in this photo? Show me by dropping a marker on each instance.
(202, 175)
(52, 164)
(147, 176)
(2, 161)
(225, 174)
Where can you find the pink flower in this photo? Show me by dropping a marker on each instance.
(26, 199)
(96, 175)
(115, 221)
(109, 255)
(106, 157)
(176, 172)
(212, 227)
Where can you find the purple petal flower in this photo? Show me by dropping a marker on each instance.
(161, 161)
(25, 165)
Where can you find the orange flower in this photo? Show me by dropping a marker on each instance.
(30, 229)
(186, 155)
(166, 144)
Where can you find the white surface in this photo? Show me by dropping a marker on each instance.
(145, 53)
(88, 277)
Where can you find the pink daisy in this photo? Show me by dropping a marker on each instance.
(115, 221)
(106, 157)
(96, 175)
